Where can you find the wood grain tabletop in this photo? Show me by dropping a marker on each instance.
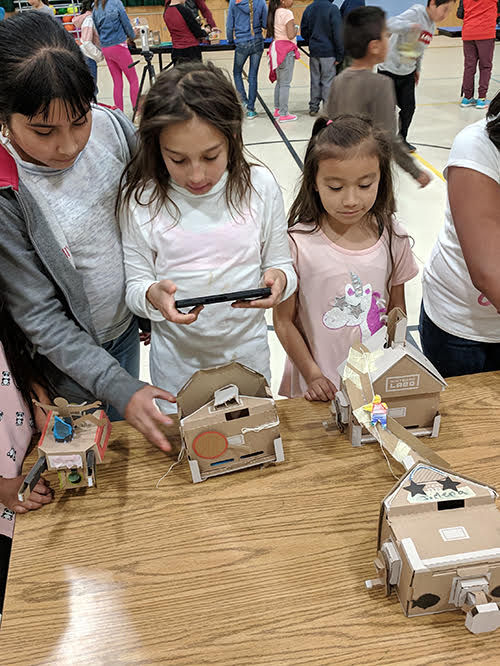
(263, 566)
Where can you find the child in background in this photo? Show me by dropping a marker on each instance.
(197, 219)
(282, 54)
(61, 259)
(245, 21)
(321, 27)
(20, 380)
(185, 32)
(351, 256)
(478, 38)
(359, 90)
(89, 39)
(411, 32)
(113, 27)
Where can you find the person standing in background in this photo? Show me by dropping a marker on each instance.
(245, 21)
(196, 7)
(348, 5)
(321, 27)
(412, 32)
(478, 38)
(89, 39)
(42, 6)
(113, 27)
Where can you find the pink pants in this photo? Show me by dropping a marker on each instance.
(118, 59)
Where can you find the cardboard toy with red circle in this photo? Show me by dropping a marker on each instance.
(228, 421)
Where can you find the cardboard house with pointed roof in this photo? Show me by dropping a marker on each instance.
(228, 421)
(438, 546)
(404, 378)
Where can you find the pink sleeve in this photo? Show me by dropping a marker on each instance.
(405, 266)
(15, 435)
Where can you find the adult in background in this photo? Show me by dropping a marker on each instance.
(459, 320)
(113, 27)
(245, 21)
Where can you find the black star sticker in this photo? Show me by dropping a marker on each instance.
(415, 488)
(448, 484)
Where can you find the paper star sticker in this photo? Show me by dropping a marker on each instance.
(448, 484)
(356, 310)
(340, 302)
(415, 488)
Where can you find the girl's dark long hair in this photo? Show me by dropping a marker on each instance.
(26, 369)
(273, 6)
(41, 62)
(493, 125)
(187, 91)
(340, 139)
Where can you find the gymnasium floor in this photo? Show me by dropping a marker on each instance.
(437, 120)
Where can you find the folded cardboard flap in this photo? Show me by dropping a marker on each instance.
(200, 388)
(226, 396)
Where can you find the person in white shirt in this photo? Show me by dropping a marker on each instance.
(460, 322)
(197, 219)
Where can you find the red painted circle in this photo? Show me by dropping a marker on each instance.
(218, 435)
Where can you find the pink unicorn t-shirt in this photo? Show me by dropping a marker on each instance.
(342, 295)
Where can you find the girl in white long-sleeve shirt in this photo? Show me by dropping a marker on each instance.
(197, 219)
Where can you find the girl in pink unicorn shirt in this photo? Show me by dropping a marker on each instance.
(351, 256)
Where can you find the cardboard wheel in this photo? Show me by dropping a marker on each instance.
(210, 444)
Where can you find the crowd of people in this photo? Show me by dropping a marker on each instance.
(105, 226)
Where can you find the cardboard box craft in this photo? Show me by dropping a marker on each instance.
(228, 421)
(72, 443)
(438, 546)
(404, 378)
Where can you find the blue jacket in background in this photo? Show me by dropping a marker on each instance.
(348, 5)
(321, 27)
(112, 23)
(238, 20)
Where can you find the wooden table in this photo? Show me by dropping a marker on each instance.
(256, 567)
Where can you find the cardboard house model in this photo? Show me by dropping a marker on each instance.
(439, 546)
(72, 443)
(404, 378)
(439, 532)
(228, 421)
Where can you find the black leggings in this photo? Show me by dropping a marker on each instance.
(5, 547)
(404, 87)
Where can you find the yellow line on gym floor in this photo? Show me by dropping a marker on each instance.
(304, 63)
(429, 166)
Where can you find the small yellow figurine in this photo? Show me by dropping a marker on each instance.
(378, 410)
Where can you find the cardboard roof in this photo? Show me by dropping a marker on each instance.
(200, 388)
(389, 356)
(426, 474)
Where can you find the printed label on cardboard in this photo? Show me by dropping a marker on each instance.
(397, 412)
(402, 383)
(437, 495)
(454, 533)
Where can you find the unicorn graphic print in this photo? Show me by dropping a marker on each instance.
(359, 306)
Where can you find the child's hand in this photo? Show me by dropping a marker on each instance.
(143, 414)
(320, 388)
(424, 179)
(161, 295)
(276, 280)
(40, 495)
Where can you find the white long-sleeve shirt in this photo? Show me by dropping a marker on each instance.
(207, 249)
